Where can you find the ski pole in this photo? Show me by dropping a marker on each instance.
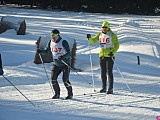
(18, 90)
(91, 67)
(121, 75)
(89, 36)
(76, 72)
(46, 72)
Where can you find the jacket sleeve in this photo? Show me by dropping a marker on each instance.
(47, 48)
(115, 43)
(67, 49)
(94, 39)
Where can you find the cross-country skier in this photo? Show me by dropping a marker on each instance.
(109, 45)
(1, 69)
(61, 53)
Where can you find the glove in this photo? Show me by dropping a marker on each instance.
(88, 36)
(111, 54)
(39, 50)
(60, 57)
(1, 71)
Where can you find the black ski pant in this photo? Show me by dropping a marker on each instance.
(106, 64)
(65, 77)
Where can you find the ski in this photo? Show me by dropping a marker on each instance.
(50, 99)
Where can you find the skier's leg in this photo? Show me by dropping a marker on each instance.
(54, 75)
(110, 75)
(66, 72)
(103, 74)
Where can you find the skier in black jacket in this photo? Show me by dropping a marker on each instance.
(61, 53)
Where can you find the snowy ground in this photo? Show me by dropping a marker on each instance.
(138, 36)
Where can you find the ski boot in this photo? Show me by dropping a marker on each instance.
(56, 96)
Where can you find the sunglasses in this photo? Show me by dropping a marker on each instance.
(54, 35)
(104, 27)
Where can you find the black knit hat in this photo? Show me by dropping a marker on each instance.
(55, 31)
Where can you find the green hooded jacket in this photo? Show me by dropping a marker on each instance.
(106, 51)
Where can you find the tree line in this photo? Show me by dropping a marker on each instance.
(141, 7)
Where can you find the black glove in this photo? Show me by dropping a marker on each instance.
(60, 57)
(111, 54)
(88, 36)
(1, 71)
(39, 50)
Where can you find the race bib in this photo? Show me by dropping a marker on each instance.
(105, 41)
(57, 49)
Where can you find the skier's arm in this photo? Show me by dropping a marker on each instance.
(47, 49)
(94, 39)
(66, 48)
(115, 42)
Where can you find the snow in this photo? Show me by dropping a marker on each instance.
(138, 36)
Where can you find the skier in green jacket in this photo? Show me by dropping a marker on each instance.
(109, 45)
(61, 60)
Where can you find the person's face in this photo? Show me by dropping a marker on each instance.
(105, 29)
(54, 37)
